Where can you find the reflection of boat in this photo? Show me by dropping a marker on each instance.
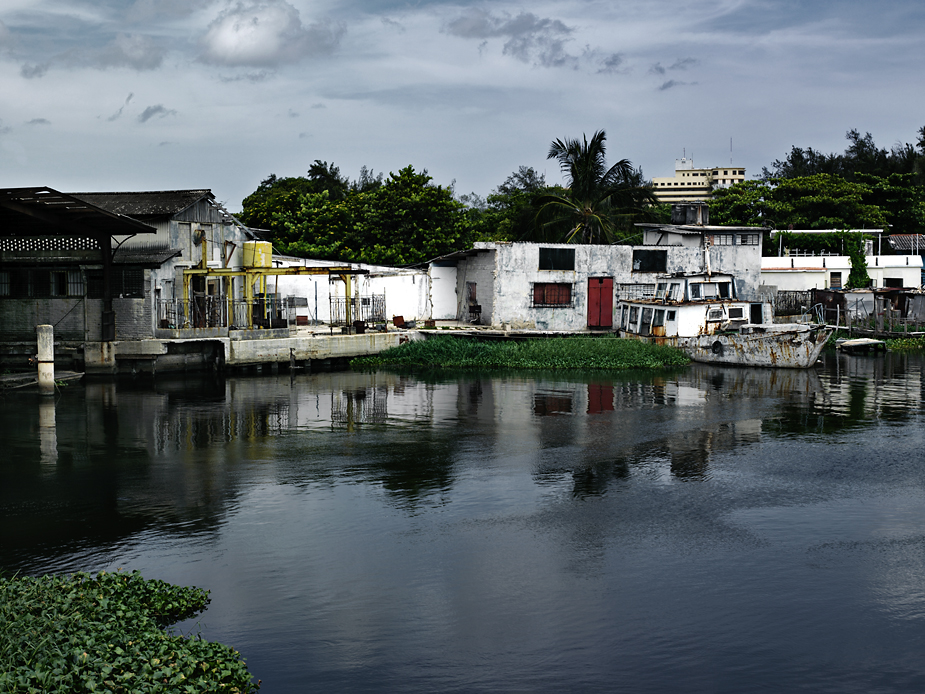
(861, 345)
(794, 385)
(700, 314)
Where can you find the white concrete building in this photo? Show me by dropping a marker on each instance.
(694, 185)
(572, 287)
(802, 273)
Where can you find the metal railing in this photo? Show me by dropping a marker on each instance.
(370, 309)
(203, 312)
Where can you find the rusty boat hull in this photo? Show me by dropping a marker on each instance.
(774, 345)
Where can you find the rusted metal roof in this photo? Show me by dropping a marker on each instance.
(153, 256)
(152, 203)
(43, 211)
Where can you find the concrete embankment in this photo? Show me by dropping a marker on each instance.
(249, 348)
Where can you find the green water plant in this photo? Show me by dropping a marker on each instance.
(108, 632)
(445, 351)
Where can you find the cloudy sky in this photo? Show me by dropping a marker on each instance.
(165, 94)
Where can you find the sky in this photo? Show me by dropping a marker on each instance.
(172, 94)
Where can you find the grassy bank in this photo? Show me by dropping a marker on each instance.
(84, 633)
(554, 353)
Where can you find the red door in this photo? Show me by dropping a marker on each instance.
(600, 302)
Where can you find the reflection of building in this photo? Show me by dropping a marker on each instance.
(694, 185)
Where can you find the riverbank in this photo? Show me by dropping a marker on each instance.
(554, 353)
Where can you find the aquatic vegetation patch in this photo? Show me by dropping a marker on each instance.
(444, 351)
(84, 633)
(905, 344)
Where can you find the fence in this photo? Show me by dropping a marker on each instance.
(789, 303)
(370, 309)
(214, 312)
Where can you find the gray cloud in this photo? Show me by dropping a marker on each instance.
(6, 36)
(670, 84)
(33, 71)
(118, 113)
(266, 34)
(529, 38)
(39, 121)
(684, 63)
(252, 77)
(158, 110)
(135, 51)
(612, 63)
(319, 105)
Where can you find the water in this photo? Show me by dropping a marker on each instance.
(709, 530)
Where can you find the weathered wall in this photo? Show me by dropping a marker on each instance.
(802, 273)
(20, 316)
(516, 270)
(480, 269)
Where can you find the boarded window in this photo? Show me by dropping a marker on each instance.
(552, 294)
(557, 258)
(650, 261)
(835, 280)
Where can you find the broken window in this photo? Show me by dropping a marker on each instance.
(658, 318)
(673, 291)
(634, 319)
(650, 261)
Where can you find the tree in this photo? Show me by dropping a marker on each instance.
(509, 213)
(598, 202)
(822, 201)
(405, 220)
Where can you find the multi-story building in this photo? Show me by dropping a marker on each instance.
(694, 185)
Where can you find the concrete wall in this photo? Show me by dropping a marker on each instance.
(802, 273)
(516, 269)
(444, 302)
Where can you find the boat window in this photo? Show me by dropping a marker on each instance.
(671, 315)
(634, 318)
(658, 317)
(736, 313)
(708, 289)
(695, 290)
(723, 290)
(646, 321)
(715, 314)
(674, 290)
(661, 290)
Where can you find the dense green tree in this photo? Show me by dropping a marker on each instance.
(405, 220)
(509, 213)
(823, 201)
(861, 157)
(599, 204)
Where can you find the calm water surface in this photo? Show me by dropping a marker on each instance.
(708, 530)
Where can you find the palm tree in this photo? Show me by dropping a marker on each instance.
(599, 201)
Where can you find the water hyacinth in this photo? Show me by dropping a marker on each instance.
(445, 351)
(83, 633)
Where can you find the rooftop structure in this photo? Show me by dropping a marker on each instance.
(694, 185)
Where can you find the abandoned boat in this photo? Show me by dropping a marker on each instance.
(701, 314)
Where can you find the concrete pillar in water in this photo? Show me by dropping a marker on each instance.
(48, 433)
(46, 358)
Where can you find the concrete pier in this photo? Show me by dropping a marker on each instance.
(46, 358)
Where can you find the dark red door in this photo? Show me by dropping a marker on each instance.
(600, 302)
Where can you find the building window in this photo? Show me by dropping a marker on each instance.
(650, 261)
(835, 280)
(556, 294)
(722, 239)
(557, 258)
(127, 283)
(4, 283)
(748, 239)
(636, 291)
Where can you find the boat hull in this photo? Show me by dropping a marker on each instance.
(793, 346)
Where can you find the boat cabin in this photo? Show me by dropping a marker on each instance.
(689, 305)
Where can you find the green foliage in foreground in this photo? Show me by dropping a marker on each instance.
(83, 633)
(905, 344)
(445, 351)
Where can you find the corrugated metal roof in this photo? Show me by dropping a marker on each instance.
(908, 242)
(153, 256)
(43, 211)
(152, 203)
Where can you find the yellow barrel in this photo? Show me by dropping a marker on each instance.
(258, 254)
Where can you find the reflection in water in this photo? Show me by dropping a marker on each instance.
(461, 532)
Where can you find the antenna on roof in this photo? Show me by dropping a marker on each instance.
(730, 151)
